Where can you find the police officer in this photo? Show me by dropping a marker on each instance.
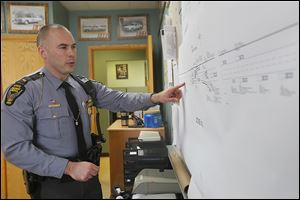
(39, 127)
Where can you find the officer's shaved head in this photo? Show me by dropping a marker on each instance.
(43, 33)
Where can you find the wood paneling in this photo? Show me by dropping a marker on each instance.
(3, 178)
(19, 57)
(149, 54)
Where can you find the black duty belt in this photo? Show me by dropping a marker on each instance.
(64, 179)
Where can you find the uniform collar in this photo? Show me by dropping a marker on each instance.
(55, 81)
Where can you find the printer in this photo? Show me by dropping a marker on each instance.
(148, 151)
(155, 184)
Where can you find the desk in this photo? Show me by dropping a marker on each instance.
(118, 136)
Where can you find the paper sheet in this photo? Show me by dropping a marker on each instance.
(169, 46)
(238, 121)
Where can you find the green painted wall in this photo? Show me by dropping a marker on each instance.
(101, 57)
(136, 76)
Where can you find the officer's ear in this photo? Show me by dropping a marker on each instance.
(42, 51)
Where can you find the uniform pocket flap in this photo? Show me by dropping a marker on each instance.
(53, 113)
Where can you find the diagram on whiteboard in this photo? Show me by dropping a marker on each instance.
(247, 67)
(240, 110)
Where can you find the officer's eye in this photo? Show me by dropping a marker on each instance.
(62, 46)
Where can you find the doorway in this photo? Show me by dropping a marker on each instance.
(98, 58)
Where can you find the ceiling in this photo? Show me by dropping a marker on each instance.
(108, 5)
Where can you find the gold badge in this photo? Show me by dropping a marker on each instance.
(89, 104)
(54, 105)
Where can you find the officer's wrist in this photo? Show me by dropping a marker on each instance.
(68, 168)
(155, 98)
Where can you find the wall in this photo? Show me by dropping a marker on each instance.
(136, 74)
(101, 57)
(153, 22)
(60, 14)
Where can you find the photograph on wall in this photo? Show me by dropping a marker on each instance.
(26, 17)
(133, 27)
(122, 71)
(94, 28)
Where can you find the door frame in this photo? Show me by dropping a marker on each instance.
(126, 47)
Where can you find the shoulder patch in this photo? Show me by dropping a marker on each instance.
(18, 88)
(13, 93)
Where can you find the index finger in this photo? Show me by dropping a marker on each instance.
(179, 86)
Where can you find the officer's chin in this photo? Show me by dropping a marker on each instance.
(70, 67)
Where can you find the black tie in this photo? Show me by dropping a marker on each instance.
(77, 120)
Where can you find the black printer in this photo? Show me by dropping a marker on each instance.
(139, 154)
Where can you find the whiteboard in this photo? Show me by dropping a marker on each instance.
(237, 124)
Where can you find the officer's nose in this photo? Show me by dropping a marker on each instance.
(71, 52)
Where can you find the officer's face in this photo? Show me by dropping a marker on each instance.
(59, 51)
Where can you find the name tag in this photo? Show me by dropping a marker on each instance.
(54, 105)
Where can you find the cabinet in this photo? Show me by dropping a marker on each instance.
(118, 136)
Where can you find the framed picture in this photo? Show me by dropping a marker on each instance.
(94, 28)
(133, 26)
(2, 18)
(27, 17)
(122, 71)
